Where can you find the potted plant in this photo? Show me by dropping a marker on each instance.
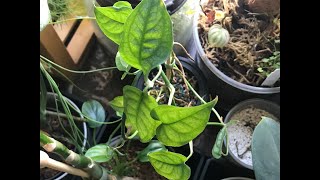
(246, 116)
(145, 43)
(238, 49)
(265, 148)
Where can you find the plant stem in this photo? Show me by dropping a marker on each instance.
(64, 115)
(133, 135)
(113, 133)
(78, 161)
(191, 149)
(77, 18)
(215, 123)
(170, 87)
(94, 136)
(158, 74)
(158, 97)
(176, 43)
(73, 71)
(46, 161)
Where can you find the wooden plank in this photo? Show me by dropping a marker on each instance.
(63, 30)
(80, 40)
(53, 48)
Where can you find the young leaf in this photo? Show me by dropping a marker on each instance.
(217, 147)
(94, 110)
(100, 153)
(153, 146)
(111, 19)
(170, 165)
(121, 64)
(147, 37)
(117, 104)
(137, 107)
(266, 149)
(181, 124)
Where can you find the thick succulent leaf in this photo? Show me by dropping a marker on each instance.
(153, 146)
(170, 165)
(117, 104)
(266, 150)
(147, 37)
(100, 153)
(137, 107)
(111, 19)
(181, 124)
(95, 111)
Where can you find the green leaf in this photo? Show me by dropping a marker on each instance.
(260, 69)
(170, 165)
(117, 104)
(265, 60)
(153, 146)
(100, 153)
(181, 124)
(111, 19)
(217, 147)
(147, 37)
(137, 107)
(94, 110)
(121, 64)
(266, 149)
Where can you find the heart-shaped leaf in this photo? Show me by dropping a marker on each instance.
(137, 107)
(181, 124)
(111, 19)
(170, 165)
(117, 104)
(100, 153)
(153, 146)
(266, 150)
(121, 64)
(94, 110)
(147, 36)
(217, 147)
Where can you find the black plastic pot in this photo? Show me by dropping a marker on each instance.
(268, 106)
(218, 170)
(229, 91)
(190, 67)
(109, 45)
(51, 105)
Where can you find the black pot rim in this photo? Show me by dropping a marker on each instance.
(221, 75)
(61, 175)
(242, 105)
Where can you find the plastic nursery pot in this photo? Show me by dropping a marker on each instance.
(219, 170)
(191, 68)
(229, 91)
(249, 112)
(109, 45)
(51, 98)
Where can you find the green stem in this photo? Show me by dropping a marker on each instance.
(133, 135)
(158, 74)
(52, 113)
(134, 160)
(94, 136)
(176, 43)
(215, 123)
(170, 87)
(71, 19)
(158, 97)
(73, 71)
(78, 161)
(113, 133)
(191, 149)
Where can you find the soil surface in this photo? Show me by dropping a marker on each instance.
(240, 133)
(253, 50)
